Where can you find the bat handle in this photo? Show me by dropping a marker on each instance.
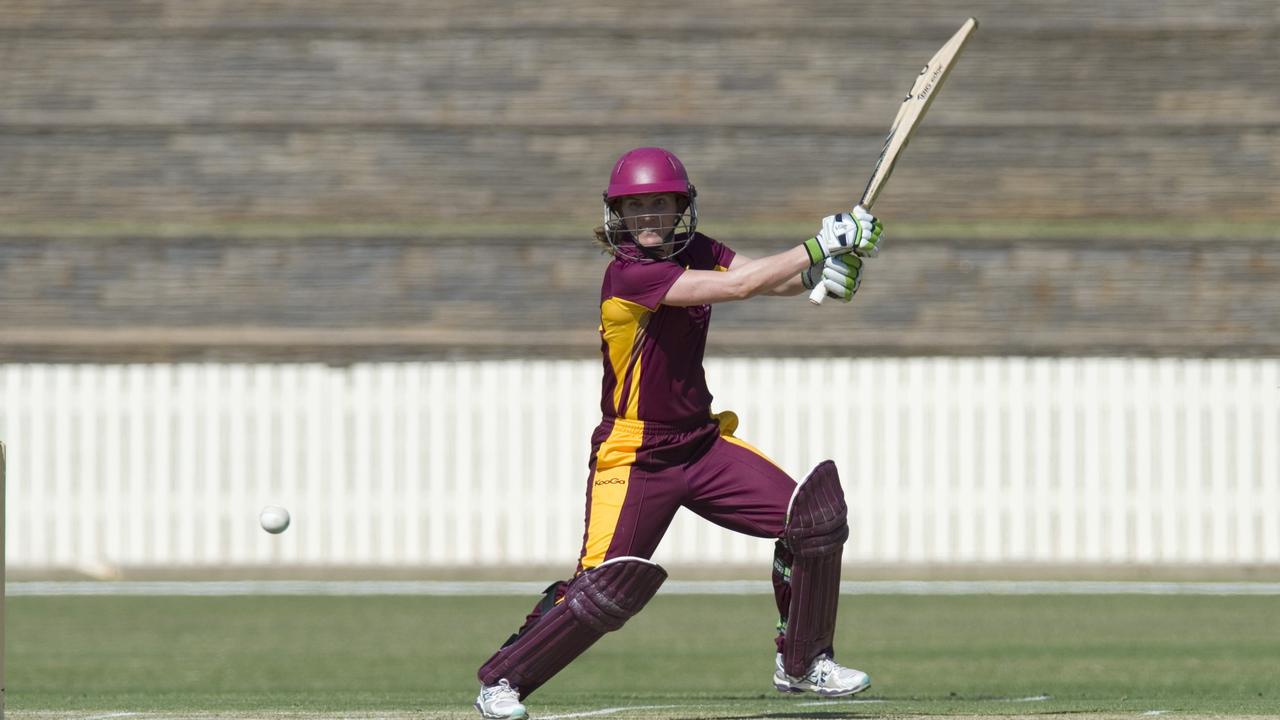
(818, 294)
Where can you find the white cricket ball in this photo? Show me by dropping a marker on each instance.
(274, 519)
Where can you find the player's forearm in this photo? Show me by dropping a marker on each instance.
(773, 275)
(791, 286)
(744, 279)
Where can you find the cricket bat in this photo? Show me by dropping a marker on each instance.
(910, 113)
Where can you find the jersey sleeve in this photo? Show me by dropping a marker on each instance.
(645, 283)
(722, 254)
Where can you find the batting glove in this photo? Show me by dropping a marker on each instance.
(857, 231)
(841, 276)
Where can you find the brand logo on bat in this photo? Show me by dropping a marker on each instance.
(932, 81)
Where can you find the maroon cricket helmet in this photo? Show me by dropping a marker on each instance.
(650, 170)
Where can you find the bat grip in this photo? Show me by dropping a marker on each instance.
(819, 292)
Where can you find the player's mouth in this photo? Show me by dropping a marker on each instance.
(649, 236)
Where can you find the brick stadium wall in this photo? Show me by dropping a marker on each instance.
(310, 111)
(342, 300)
(203, 110)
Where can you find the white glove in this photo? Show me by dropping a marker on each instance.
(857, 231)
(841, 276)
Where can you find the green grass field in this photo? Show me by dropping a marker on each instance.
(698, 656)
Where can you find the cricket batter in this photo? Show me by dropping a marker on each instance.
(660, 448)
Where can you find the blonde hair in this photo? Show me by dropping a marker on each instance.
(603, 240)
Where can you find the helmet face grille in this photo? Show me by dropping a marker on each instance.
(677, 231)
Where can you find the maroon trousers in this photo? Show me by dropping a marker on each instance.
(642, 473)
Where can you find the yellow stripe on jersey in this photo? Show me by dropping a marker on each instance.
(622, 326)
(609, 488)
(632, 409)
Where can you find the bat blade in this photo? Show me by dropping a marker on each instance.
(913, 108)
(910, 113)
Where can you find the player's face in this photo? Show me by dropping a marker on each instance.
(650, 217)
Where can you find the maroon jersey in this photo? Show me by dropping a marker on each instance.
(653, 352)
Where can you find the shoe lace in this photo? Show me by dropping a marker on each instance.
(501, 691)
(823, 667)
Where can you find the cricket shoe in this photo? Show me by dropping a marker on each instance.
(500, 702)
(825, 677)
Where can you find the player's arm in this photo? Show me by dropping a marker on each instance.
(741, 280)
(834, 261)
(840, 275)
(792, 285)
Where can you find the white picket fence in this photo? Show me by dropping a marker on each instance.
(944, 460)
